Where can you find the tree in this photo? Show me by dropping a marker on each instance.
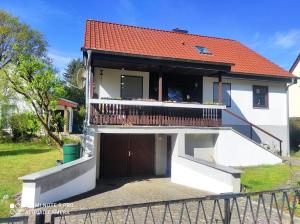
(35, 79)
(73, 93)
(17, 38)
(70, 76)
(28, 71)
(71, 70)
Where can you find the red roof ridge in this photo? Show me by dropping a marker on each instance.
(161, 30)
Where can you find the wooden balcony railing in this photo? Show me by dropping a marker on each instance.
(152, 113)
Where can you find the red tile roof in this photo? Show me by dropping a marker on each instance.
(134, 40)
(66, 103)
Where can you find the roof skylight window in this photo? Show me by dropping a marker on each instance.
(203, 50)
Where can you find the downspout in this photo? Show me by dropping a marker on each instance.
(87, 90)
(294, 81)
(87, 103)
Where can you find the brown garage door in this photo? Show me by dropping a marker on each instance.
(125, 155)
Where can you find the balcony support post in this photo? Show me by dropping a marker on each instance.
(88, 87)
(92, 83)
(220, 91)
(160, 84)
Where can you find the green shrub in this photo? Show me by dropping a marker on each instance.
(24, 126)
(294, 132)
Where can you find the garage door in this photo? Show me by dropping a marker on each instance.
(126, 155)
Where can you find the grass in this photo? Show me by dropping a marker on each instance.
(19, 159)
(261, 178)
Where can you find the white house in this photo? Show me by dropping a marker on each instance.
(19, 105)
(175, 104)
(294, 91)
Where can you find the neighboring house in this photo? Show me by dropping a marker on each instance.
(65, 107)
(19, 105)
(294, 91)
(174, 104)
(14, 105)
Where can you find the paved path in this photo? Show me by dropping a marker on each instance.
(116, 192)
(132, 191)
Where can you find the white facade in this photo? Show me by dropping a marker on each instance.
(109, 85)
(273, 119)
(233, 149)
(242, 101)
(225, 148)
(201, 157)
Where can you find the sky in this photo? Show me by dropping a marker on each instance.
(270, 27)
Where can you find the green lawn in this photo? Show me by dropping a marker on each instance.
(18, 159)
(261, 178)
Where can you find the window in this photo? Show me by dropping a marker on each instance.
(131, 87)
(203, 50)
(226, 93)
(175, 94)
(260, 96)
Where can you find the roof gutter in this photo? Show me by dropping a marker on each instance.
(267, 76)
(155, 57)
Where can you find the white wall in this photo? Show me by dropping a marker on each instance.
(110, 85)
(90, 142)
(198, 175)
(79, 185)
(294, 95)
(233, 149)
(200, 146)
(58, 183)
(97, 142)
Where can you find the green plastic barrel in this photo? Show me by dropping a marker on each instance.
(71, 152)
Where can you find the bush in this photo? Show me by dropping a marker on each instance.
(294, 133)
(78, 119)
(24, 126)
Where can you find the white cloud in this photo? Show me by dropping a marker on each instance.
(278, 40)
(37, 12)
(287, 40)
(280, 47)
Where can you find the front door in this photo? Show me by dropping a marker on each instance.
(124, 155)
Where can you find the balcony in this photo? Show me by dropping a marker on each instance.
(154, 113)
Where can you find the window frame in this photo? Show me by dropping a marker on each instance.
(266, 106)
(201, 48)
(131, 76)
(227, 83)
